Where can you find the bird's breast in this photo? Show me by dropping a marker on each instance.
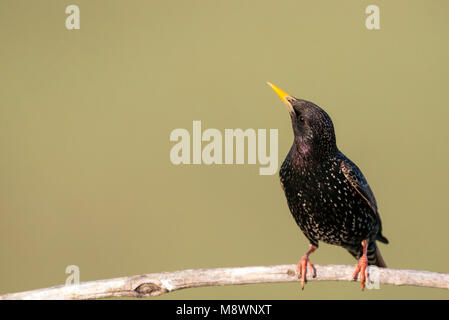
(322, 201)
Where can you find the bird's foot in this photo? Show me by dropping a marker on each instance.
(303, 264)
(362, 268)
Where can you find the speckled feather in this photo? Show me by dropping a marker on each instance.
(326, 192)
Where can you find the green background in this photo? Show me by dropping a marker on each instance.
(85, 119)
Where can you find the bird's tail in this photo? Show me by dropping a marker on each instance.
(376, 258)
(381, 238)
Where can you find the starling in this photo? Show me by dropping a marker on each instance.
(326, 192)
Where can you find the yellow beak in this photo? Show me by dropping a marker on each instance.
(283, 95)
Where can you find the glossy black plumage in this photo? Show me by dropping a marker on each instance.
(326, 192)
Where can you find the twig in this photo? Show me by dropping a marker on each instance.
(155, 284)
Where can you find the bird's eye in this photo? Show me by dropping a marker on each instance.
(301, 118)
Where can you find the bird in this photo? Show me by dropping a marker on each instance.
(327, 194)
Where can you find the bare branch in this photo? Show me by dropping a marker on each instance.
(155, 284)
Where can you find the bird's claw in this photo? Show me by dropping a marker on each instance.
(362, 268)
(303, 264)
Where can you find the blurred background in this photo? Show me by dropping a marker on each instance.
(85, 119)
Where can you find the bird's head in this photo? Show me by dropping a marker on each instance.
(312, 127)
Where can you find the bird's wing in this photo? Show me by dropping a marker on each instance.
(358, 181)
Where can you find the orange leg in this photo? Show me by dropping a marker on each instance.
(304, 263)
(362, 267)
